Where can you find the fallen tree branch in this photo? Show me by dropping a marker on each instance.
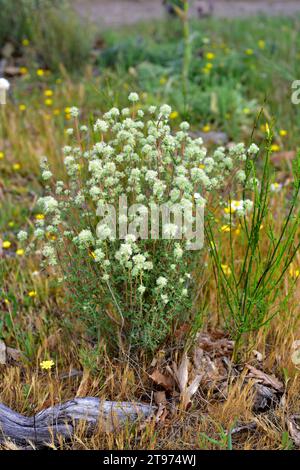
(61, 420)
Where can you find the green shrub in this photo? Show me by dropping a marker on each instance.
(131, 291)
(55, 32)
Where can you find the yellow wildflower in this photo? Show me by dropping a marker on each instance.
(22, 107)
(225, 228)
(48, 102)
(40, 72)
(209, 66)
(162, 80)
(48, 93)
(283, 132)
(261, 44)
(206, 128)
(32, 293)
(275, 148)
(16, 166)
(23, 70)
(6, 244)
(226, 269)
(20, 252)
(1, 155)
(25, 42)
(249, 51)
(47, 365)
(294, 273)
(210, 55)
(174, 114)
(11, 223)
(39, 216)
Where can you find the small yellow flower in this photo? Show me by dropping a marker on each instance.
(48, 93)
(56, 111)
(226, 269)
(225, 228)
(47, 365)
(16, 166)
(237, 230)
(32, 293)
(246, 111)
(40, 72)
(67, 110)
(25, 42)
(210, 55)
(206, 128)
(20, 252)
(283, 132)
(209, 66)
(22, 107)
(39, 216)
(6, 301)
(249, 51)
(261, 44)
(201, 166)
(294, 273)
(48, 102)
(11, 223)
(1, 155)
(23, 70)
(275, 148)
(174, 115)
(6, 244)
(206, 71)
(163, 80)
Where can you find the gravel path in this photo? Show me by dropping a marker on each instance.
(119, 12)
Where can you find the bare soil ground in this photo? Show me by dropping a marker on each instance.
(119, 12)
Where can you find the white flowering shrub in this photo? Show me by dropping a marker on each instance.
(135, 289)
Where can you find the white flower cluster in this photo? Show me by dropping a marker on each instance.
(134, 152)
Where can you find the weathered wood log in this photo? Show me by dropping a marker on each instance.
(61, 420)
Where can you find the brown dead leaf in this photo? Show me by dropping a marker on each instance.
(165, 381)
(293, 423)
(14, 354)
(181, 372)
(2, 352)
(265, 379)
(212, 357)
(84, 384)
(160, 398)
